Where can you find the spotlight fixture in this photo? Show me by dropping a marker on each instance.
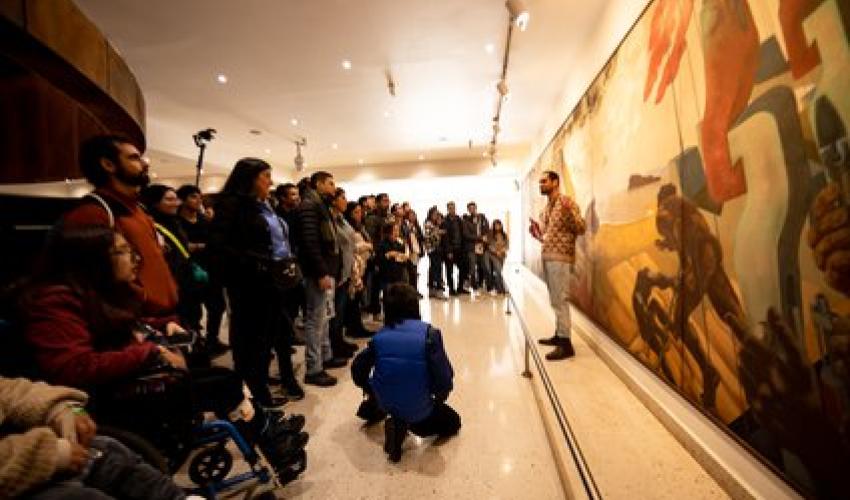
(299, 159)
(221, 78)
(519, 13)
(294, 122)
(346, 64)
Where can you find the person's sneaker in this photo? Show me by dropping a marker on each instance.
(553, 340)
(281, 450)
(321, 379)
(394, 433)
(336, 362)
(370, 411)
(293, 391)
(563, 350)
(493, 293)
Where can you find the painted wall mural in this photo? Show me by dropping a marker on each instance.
(711, 159)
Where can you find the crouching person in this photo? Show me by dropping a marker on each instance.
(51, 450)
(405, 373)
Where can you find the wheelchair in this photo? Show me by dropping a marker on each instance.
(168, 446)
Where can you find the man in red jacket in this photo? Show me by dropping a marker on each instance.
(115, 167)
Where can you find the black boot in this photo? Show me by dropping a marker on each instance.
(563, 350)
(394, 433)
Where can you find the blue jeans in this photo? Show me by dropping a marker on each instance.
(118, 473)
(316, 327)
(496, 270)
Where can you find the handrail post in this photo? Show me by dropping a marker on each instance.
(526, 372)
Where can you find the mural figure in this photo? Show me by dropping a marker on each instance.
(684, 230)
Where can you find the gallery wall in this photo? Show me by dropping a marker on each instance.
(710, 157)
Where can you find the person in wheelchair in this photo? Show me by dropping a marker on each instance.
(50, 450)
(81, 323)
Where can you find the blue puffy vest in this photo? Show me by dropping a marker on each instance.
(401, 379)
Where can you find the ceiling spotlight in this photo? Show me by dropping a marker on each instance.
(346, 64)
(299, 159)
(334, 146)
(519, 13)
(221, 78)
(294, 122)
(489, 48)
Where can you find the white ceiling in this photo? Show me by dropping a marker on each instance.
(283, 60)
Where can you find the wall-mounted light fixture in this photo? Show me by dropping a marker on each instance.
(519, 17)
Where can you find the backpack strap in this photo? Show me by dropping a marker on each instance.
(96, 197)
(173, 239)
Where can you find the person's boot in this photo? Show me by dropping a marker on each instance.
(563, 350)
(551, 341)
(321, 379)
(394, 433)
(370, 411)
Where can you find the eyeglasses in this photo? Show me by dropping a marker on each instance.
(122, 251)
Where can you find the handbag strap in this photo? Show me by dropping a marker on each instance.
(168, 234)
(96, 197)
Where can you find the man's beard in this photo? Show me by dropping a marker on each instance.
(141, 179)
(544, 190)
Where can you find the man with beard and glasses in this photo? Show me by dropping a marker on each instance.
(116, 169)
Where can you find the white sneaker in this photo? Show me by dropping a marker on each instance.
(493, 293)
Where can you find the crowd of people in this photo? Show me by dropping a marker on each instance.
(129, 276)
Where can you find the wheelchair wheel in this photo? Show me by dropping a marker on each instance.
(210, 465)
(138, 445)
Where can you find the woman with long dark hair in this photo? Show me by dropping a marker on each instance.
(363, 253)
(497, 250)
(162, 204)
(249, 245)
(81, 322)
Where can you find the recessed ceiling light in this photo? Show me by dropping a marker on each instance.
(360, 161)
(221, 78)
(294, 122)
(346, 64)
(335, 146)
(489, 48)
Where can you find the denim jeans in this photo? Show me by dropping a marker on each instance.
(496, 264)
(316, 327)
(118, 473)
(479, 270)
(435, 271)
(558, 276)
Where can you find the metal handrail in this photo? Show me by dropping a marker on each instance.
(583, 469)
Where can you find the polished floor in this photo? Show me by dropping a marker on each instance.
(501, 452)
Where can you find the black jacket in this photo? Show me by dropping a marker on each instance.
(318, 250)
(474, 231)
(454, 232)
(240, 246)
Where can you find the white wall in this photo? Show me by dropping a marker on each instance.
(497, 197)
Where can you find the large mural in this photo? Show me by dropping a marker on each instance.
(711, 159)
